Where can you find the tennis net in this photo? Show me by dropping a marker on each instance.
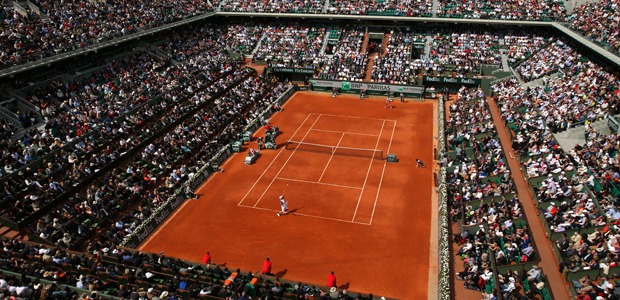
(334, 150)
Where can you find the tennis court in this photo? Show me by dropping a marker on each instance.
(354, 213)
(328, 157)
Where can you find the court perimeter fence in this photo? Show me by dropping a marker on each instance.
(141, 232)
(443, 271)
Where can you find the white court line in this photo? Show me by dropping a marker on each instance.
(331, 156)
(382, 173)
(330, 184)
(289, 158)
(341, 116)
(305, 215)
(345, 132)
(367, 173)
(274, 159)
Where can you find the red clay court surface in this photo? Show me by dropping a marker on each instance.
(366, 219)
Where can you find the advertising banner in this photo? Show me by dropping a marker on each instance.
(368, 86)
(453, 80)
(291, 70)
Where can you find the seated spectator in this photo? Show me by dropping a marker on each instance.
(598, 22)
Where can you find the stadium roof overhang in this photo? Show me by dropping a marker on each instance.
(114, 42)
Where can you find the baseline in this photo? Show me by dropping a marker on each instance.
(306, 215)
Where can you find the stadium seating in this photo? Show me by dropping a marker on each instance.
(539, 10)
(34, 270)
(56, 27)
(572, 190)
(348, 62)
(291, 46)
(121, 136)
(466, 52)
(597, 22)
(494, 234)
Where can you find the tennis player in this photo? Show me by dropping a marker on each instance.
(283, 206)
(420, 163)
(388, 102)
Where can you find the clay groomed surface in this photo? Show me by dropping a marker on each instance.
(364, 218)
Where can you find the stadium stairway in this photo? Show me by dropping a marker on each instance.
(260, 41)
(9, 233)
(505, 66)
(540, 81)
(322, 52)
(427, 46)
(576, 135)
(384, 43)
(434, 8)
(364, 42)
(371, 64)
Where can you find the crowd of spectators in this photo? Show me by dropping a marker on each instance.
(464, 53)
(522, 46)
(291, 46)
(88, 105)
(271, 6)
(348, 61)
(523, 284)
(65, 26)
(155, 172)
(69, 166)
(598, 20)
(73, 25)
(106, 197)
(482, 198)
(242, 38)
(548, 60)
(409, 8)
(74, 109)
(598, 164)
(564, 186)
(48, 272)
(485, 174)
(202, 47)
(396, 64)
(141, 180)
(588, 251)
(585, 92)
(530, 10)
